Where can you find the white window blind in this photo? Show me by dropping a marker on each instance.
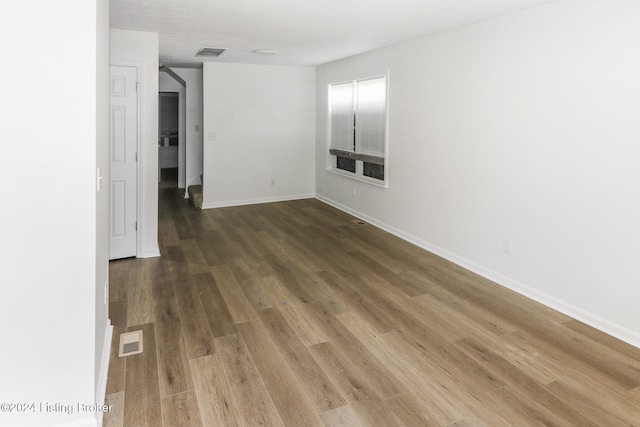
(358, 120)
(342, 116)
(371, 112)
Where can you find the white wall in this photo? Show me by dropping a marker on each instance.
(522, 128)
(49, 221)
(258, 127)
(103, 329)
(141, 49)
(193, 147)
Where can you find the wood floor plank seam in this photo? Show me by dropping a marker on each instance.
(319, 388)
(276, 376)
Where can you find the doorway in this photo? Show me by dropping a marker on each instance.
(168, 143)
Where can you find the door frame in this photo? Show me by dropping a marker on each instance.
(139, 169)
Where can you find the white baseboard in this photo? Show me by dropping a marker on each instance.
(149, 253)
(101, 386)
(604, 325)
(256, 201)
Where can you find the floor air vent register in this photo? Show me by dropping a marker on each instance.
(130, 343)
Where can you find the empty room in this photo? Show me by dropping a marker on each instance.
(375, 213)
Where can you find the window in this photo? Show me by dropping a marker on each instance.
(358, 116)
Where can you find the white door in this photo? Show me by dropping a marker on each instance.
(123, 148)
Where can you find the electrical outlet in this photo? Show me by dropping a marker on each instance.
(353, 192)
(273, 182)
(106, 292)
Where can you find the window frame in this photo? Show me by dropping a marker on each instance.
(360, 158)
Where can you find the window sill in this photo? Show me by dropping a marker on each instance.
(366, 180)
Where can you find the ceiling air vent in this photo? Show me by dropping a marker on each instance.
(211, 52)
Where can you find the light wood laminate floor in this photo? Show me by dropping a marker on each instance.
(290, 314)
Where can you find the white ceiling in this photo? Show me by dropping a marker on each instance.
(302, 32)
